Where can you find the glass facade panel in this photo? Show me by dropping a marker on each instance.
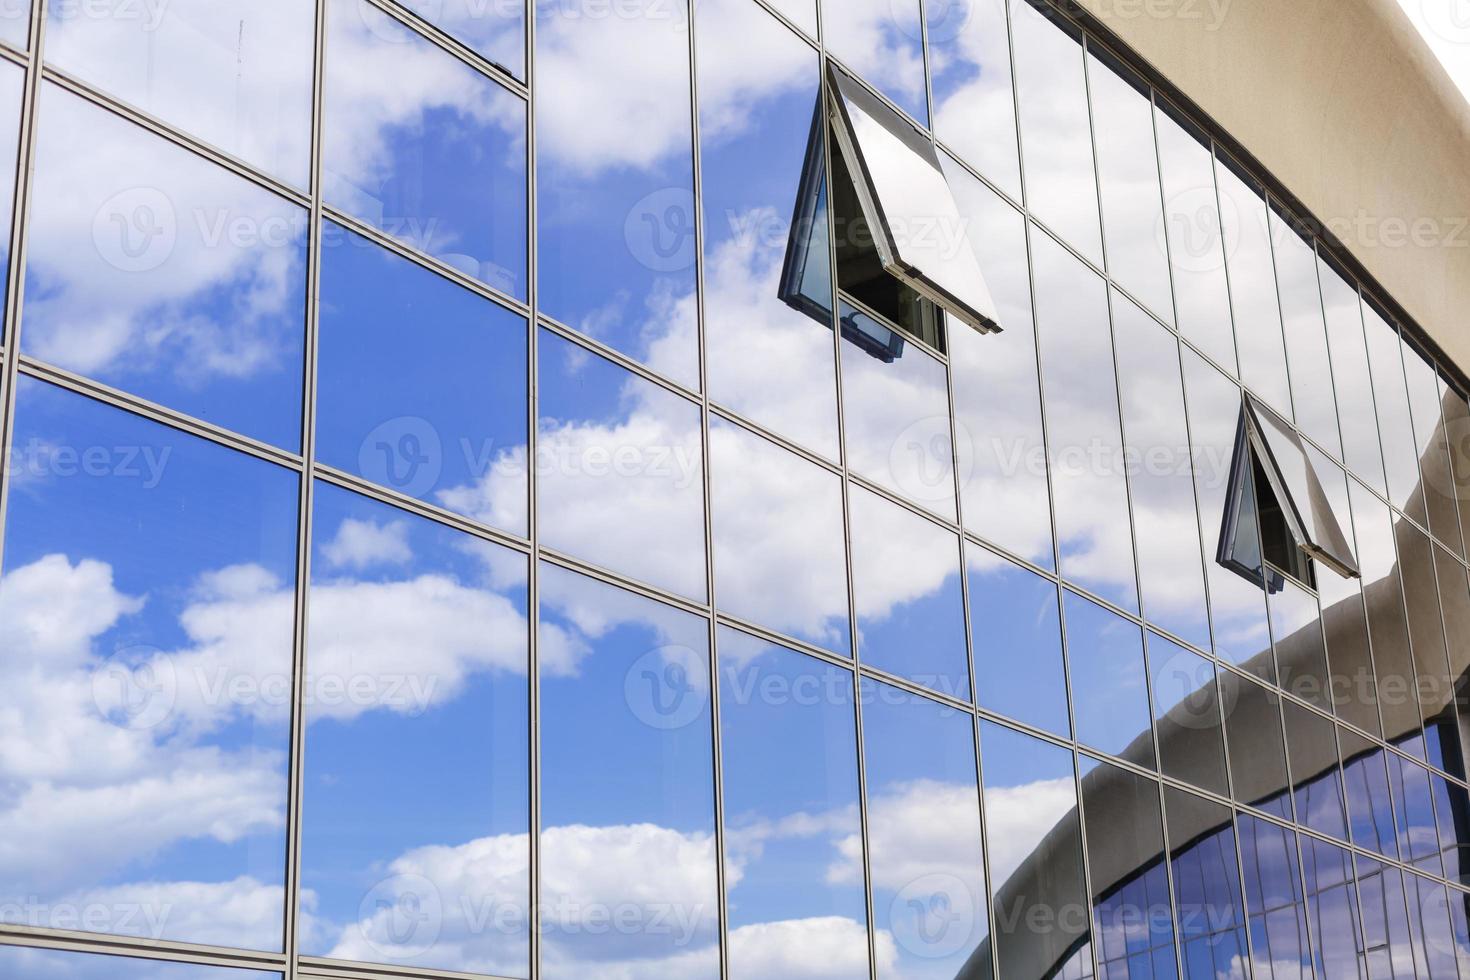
(1207, 898)
(1395, 425)
(883, 42)
(1389, 950)
(164, 275)
(1431, 440)
(1456, 419)
(1186, 698)
(1388, 625)
(1332, 910)
(1351, 375)
(15, 24)
(1301, 657)
(1105, 657)
(236, 74)
(1017, 642)
(495, 31)
(1305, 327)
(422, 147)
(974, 99)
(12, 85)
(1316, 774)
(793, 583)
(1274, 902)
(1257, 747)
(149, 601)
(1370, 804)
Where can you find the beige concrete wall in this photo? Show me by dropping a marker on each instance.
(1345, 105)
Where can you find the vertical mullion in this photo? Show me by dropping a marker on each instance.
(533, 579)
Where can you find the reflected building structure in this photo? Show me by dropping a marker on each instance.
(742, 489)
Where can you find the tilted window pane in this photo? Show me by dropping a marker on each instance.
(1237, 607)
(497, 30)
(1332, 910)
(1395, 425)
(1128, 175)
(915, 224)
(623, 677)
(1298, 487)
(997, 398)
(422, 147)
(974, 101)
(1157, 435)
(778, 536)
(1056, 129)
(790, 829)
(1085, 437)
(1369, 802)
(148, 604)
(906, 587)
(1244, 224)
(1186, 697)
(883, 41)
(1345, 339)
(421, 384)
(615, 219)
(896, 410)
(237, 74)
(1257, 746)
(620, 470)
(1016, 627)
(1304, 323)
(1192, 227)
(1301, 656)
(418, 738)
(1275, 905)
(925, 852)
(1316, 775)
(24, 963)
(764, 192)
(1436, 481)
(1036, 853)
(164, 275)
(1207, 899)
(1106, 661)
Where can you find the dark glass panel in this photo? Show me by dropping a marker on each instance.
(1301, 657)
(1187, 715)
(1316, 775)
(1276, 907)
(1257, 750)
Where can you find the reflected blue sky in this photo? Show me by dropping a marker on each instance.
(1274, 900)
(495, 30)
(149, 601)
(416, 810)
(438, 412)
(164, 275)
(970, 70)
(882, 41)
(1017, 630)
(1206, 887)
(1105, 656)
(424, 148)
(12, 83)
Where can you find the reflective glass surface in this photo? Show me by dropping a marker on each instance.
(778, 535)
(1350, 374)
(35, 964)
(1301, 653)
(1395, 425)
(1345, 625)
(1245, 226)
(1431, 441)
(1387, 619)
(1051, 87)
(1435, 690)
(1274, 902)
(1036, 870)
(1157, 436)
(1313, 396)
(974, 102)
(1370, 805)
(149, 597)
(793, 830)
(1414, 812)
(1017, 638)
(496, 31)
(1105, 657)
(770, 355)
(883, 41)
(623, 677)
(1332, 910)
(1456, 418)
(906, 587)
(1128, 176)
(235, 73)
(616, 214)
(619, 466)
(999, 445)
(1389, 951)
(424, 148)
(1084, 432)
(1316, 776)
(164, 275)
(15, 24)
(925, 853)
(418, 739)
(440, 414)
(1186, 698)
(1207, 898)
(12, 84)
(1257, 747)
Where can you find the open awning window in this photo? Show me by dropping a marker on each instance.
(1278, 511)
(916, 226)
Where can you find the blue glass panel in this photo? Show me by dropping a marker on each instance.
(910, 603)
(619, 467)
(628, 879)
(416, 809)
(1452, 807)
(495, 30)
(615, 176)
(149, 592)
(1429, 920)
(1386, 932)
(883, 42)
(421, 384)
(164, 275)
(236, 73)
(974, 105)
(778, 536)
(1316, 777)
(1370, 806)
(1332, 910)
(424, 148)
(1414, 809)
(790, 829)
(1207, 893)
(12, 82)
(1105, 657)
(22, 963)
(1017, 630)
(1275, 905)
